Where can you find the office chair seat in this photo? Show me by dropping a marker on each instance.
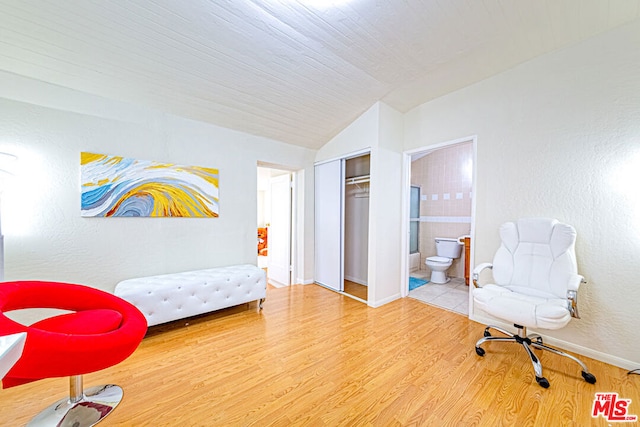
(511, 303)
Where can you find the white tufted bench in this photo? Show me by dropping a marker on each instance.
(175, 296)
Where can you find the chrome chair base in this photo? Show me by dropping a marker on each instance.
(528, 341)
(88, 409)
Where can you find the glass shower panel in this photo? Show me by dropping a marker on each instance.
(414, 219)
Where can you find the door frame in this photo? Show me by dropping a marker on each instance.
(406, 198)
(296, 218)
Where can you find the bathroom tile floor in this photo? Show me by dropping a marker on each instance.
(452, 296)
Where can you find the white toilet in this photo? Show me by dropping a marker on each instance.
(447, 249)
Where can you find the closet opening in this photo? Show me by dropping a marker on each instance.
(356, 226)
(342, 225)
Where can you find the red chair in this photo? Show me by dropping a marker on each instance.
(100, 331)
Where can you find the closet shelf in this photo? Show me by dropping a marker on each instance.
(357, 180)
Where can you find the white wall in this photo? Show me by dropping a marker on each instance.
(45, 237)
(380, 130)
(559, 136)
(359, 135)
(385, 235)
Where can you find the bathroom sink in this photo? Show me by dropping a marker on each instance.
(10, 351)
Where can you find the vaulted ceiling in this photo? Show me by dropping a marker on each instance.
(292, 70)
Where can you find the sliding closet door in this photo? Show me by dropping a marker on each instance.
(328, 224)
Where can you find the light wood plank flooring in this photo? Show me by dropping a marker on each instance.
(356, 289)
(314, 357)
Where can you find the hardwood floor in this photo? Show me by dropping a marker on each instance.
(315, 357)
(356, 289)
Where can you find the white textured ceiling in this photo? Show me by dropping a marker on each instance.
(282, 69)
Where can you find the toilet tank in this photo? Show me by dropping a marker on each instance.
(448, 248)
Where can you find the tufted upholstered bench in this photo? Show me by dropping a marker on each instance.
(175, 296)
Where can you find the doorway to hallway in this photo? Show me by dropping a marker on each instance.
(275, 224)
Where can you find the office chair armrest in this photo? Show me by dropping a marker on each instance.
(572, 294)
(477, 270)
(574, 282)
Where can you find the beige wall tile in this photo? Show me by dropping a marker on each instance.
(444, 171)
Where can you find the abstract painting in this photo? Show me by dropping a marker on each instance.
(114, 186)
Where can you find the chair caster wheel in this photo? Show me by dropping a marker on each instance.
(588, 377)
(544, 383)
(487, 333)
(539, 340)
(479, 351)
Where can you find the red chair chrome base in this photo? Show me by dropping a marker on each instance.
(100, 330)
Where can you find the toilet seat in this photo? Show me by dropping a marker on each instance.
(438, 266)
(439, 259)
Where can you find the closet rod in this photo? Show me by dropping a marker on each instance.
(358, 179)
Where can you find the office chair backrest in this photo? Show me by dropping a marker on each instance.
(536, 256)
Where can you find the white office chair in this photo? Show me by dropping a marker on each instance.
(535, 285)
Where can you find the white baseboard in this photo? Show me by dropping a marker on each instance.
(356, 280)
(384, 301)
(565, 345)
(276, 284)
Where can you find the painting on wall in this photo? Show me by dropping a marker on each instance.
(114, 186)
